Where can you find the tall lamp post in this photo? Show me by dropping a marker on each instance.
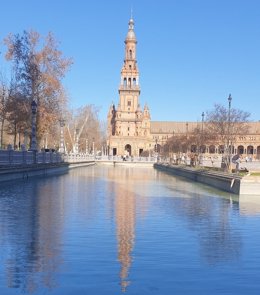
(202, 130)
(62, 124)
(228, 141)
(201, 141)
(33, 146)
(202, 121)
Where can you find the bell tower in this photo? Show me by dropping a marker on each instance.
(127, 133)
(129, 89)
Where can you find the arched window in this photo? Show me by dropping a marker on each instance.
(250, 150)
(130, 54)
(203, 149)
(129, 82)
(221, 149)
(130, 67)
(124, 81)
(128, 149)
(193, 148)
(240, 149)
(134, 81)
(212, 149)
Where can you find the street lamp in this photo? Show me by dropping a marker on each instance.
(19, 138)
(202, 125)
(62, 124)
(33, 146)
(201, 140)
(202, 120)
(229, 107)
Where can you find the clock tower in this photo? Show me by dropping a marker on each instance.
(128, 125)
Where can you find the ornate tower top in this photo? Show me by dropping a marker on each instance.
(129, 72)
(131, 34)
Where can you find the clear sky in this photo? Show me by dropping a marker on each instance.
(191, 53)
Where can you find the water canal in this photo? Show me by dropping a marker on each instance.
(114, 230)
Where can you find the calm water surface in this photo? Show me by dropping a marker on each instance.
(114, 230)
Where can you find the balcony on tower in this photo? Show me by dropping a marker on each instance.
(129, 83)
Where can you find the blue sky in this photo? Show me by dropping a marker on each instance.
(191, 53)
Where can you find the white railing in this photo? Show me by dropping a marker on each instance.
(73, 158)
(126, 159)
(211, 161)
(11, 157)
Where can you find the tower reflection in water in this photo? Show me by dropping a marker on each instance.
(125, 214)
(125, 220)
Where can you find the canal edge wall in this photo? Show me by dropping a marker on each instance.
(29, 171)
(126, 163)
(250, 185)
(224, 182)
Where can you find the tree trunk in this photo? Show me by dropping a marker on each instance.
(15, 130)
(2, 133)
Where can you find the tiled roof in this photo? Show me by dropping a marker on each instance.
(170, 127)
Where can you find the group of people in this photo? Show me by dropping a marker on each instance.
(248, 159)
(125, 157)
(179, 159)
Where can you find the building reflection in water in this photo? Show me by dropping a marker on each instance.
(208, 215)
(125, 222)
(32, 223)
(123, 184)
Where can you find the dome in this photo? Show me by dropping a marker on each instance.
(130, 34)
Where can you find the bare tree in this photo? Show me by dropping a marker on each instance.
(82, 129)
(193, 143)
(227, 125)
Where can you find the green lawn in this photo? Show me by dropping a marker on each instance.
(255, 173)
